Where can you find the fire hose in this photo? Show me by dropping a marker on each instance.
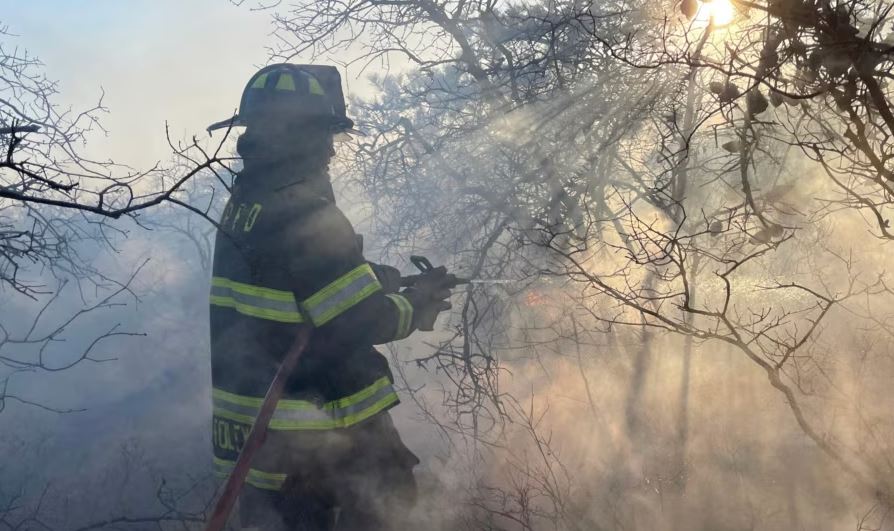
(258, 433)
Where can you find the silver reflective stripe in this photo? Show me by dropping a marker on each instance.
(341, 294)
(255, 301)
(310, 413)
(307, 411)
(300, 414)
(366, 403)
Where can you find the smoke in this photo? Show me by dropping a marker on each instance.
(559, 454)
(572, 415)
(556, 448)
(566, 461)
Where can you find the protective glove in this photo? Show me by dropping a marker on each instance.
(389, 277)
(429, 295)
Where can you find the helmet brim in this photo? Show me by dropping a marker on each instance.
(229, 123)
(236, 121)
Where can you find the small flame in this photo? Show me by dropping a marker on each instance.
(534, 298)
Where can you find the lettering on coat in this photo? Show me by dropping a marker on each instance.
(240, 216)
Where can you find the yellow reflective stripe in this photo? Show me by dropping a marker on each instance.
(341, 294)
(264, 484)
(285, 82)
(255, 477)
(257, 291)
(404, 315)
(315, 87)
(252, 311)
(260, 82)
(255, 402)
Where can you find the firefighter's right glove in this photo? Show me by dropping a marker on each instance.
(429, 295)
(389, 277)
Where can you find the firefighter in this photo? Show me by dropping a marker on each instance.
(286, 256)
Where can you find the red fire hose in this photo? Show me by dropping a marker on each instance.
(258, 433)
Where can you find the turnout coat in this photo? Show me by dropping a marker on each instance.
(285, 254)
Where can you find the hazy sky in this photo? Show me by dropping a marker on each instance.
(184, 62)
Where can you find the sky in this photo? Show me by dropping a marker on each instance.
(184, 63)
(174, 61)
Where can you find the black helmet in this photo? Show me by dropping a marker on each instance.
(287, 92)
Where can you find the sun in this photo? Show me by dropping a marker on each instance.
(721, 12)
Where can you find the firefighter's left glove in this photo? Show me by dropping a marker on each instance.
(389, 277)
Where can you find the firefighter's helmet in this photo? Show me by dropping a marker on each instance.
(292, 93)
